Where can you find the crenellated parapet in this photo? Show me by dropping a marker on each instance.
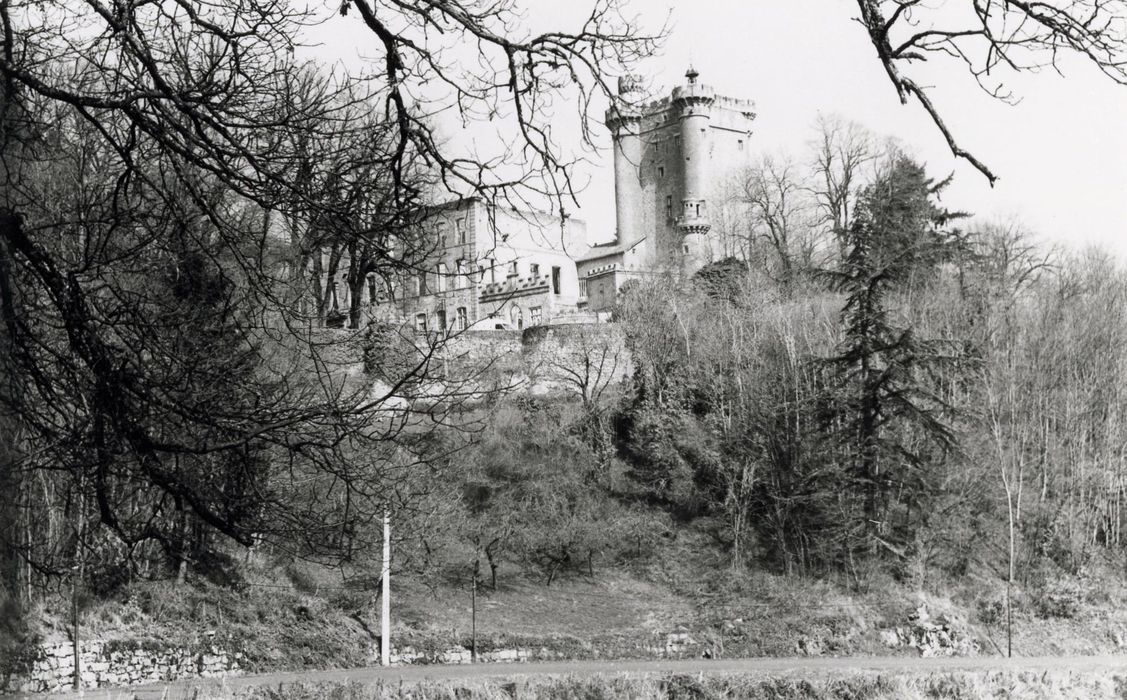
(515, 287)
(693, 98)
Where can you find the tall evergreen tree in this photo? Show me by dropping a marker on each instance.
(888, 422)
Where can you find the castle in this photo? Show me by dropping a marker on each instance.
(669, 157)
(494, 267)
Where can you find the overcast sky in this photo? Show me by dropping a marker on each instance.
(1061, 153)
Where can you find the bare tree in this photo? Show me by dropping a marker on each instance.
(841, 151)
(164, 365)
(991, 38)
(780, 215)
(592, 361)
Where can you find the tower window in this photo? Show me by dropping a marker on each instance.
(740, 144)
(669, 207)
(661, 171)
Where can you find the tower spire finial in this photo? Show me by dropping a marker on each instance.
(692, 73)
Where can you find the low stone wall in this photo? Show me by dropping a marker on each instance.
(662, 645)
(110, 664)
(116, 664)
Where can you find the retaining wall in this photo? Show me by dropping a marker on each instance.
(117, 664)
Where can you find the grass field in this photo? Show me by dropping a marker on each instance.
(1063, 685)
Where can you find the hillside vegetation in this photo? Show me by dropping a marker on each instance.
(804, 457)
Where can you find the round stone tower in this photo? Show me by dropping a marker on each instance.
(624, 121)
(694, 104)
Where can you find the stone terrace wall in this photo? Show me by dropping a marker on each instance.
(117, 664)
(560, 358)
(540, 360)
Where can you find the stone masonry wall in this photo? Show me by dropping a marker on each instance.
(562, 358)
(107, 664)
(543, 359)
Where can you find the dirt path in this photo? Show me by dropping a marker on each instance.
(811, 665)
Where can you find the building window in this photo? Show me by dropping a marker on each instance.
(460, 227)
(740, 144)
(421, 323)
(583, 287)
(440, 320)
(421, 287)
(460, 279)
(661, 171)
(555, 280)
(516, 317)
(371, 289)
(461, 318)
(535, 315)
(492, 270)
(534, 270)
(669, 207)
(513, 269)
(440, 233)
(440, 273)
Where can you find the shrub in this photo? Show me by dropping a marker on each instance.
(18, 639)
(991, 612)
(1061, 598)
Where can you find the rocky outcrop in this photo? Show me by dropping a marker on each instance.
(943, 635)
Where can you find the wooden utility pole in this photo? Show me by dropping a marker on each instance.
(473, 615)
(385, 597)
(76, 582)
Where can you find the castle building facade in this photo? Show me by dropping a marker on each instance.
(486, 267)
(669, 157)
(496, 267)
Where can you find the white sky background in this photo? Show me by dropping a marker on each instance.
(1061, 154)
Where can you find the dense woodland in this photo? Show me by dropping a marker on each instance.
(870, 382)
(915, 393)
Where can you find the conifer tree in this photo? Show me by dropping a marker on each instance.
(889, 425)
